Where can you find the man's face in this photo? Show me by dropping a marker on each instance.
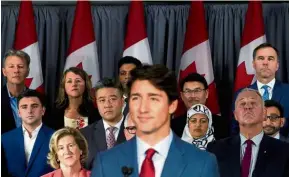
(15, 69)
(130, 128)
(249, 109)
(266, 63)
(150, 109)
(31, 111)
(124, 73)
(109, 103)
(274, 122)
(194, 93)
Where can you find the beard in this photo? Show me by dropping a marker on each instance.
(270, 130)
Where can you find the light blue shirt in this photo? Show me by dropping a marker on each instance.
(159, 158)
(255, 149)
(14, 107)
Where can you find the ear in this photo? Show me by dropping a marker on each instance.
(235, 117)
(43, 110)
(173, 106)
(4, 72)
(282, 123)
(207, 93)
(253, 63)
(80, 152)
(27, 74)
(264, 113)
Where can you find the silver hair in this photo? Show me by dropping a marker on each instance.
(19, 53)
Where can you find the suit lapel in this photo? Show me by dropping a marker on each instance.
(100, 137)
(121, 138)
(254, 86)
(262, 157)
(174, 164)
(233, 155)
(37, 147)
(21, 150)
(277, 92)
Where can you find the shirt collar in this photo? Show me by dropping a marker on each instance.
(161, 147)
(106, 125)
(34, 132)
(256, 139)
(277, 136)
(270, 84)
(9, 94)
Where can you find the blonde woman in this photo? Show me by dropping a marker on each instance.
(68, 151)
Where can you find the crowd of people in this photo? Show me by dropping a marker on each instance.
(125, 125)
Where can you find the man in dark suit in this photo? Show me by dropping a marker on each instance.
(275, 120)
(125, 66)
(15, 69)
(195, 91)
(26, 148)
(155, 151)
(109, 131)
(251, 153)
(266, 64)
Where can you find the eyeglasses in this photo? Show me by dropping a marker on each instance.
(131, 129)
(273, 118)
(195, 91)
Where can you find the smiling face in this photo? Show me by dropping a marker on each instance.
(74, 85)
(68, 152)
(149, 108)
(15, 70)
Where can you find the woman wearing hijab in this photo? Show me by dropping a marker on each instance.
(199, 130)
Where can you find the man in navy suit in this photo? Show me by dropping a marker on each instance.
(155, 150)
(266, 64)
(251, 153)
(26, 148)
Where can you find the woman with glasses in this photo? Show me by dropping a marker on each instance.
(199, 130)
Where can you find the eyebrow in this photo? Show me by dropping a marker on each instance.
(108, 96)
(150, 94)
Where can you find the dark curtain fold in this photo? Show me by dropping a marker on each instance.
(166, 26)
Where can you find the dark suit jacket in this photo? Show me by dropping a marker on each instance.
(284, 139)
(183, 160)
(96, 139)
(280, 94)
(7, 118)
(57, 121)
(221, 126)
(13, 146)
(272, 160)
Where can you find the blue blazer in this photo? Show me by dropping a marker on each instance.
(280, 94)
(183, 160)
(13, 146)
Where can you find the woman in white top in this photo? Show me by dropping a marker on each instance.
(74, 104)
(199, 130)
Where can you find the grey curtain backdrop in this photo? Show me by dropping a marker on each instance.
(166, 26)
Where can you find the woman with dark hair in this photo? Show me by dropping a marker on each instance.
(74, 104)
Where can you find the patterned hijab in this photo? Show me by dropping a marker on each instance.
(202, 142)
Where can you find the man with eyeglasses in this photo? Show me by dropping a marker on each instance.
(195, 91)
(275, 120)
(129, 128)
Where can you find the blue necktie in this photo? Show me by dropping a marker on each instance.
(266, 92)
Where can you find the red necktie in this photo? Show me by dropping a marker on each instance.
(147, 168)
(246, 162)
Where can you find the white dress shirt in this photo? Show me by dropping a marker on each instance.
(277, 136)
(29, 141)
(270, 89)
(159, 158)
(255, 149)
(116, 131)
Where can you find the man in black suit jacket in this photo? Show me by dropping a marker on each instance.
(267, 157)
(109, 98)
(195, 91)
(15, 69)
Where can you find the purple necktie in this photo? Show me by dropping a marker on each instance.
(110, 139)
(246, 162)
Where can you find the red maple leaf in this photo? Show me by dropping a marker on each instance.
(242, 78)
(28, 82)
(190, 69)
(81, 67)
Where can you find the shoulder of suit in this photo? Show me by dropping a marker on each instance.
(90, 128)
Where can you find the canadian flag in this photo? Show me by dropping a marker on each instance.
(82, 51)
(136, 43)
(197, 55)
(26, 40)
(253, 35)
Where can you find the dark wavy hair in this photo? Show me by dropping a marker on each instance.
(62, 101)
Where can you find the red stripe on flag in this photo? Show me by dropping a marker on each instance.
(82, 29)
(196, 19)
(26, 29)
(254, 23)
(136, 29)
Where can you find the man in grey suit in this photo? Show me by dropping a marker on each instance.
(275, 120)
(155, 150)
(109, 131)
